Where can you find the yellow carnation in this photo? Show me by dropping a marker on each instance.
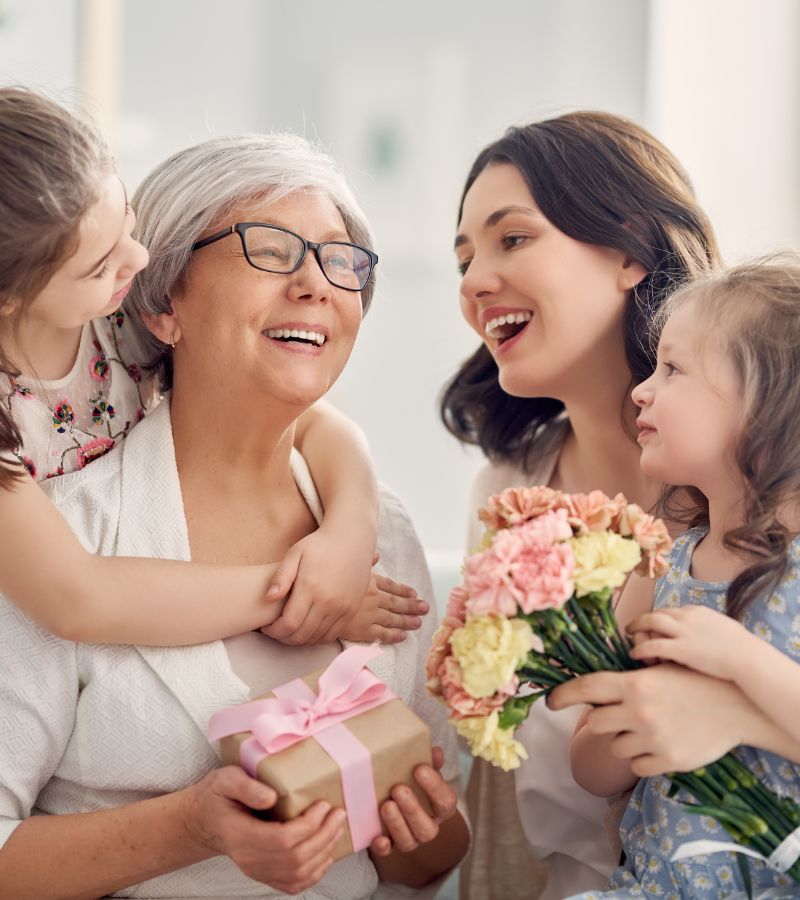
(488, 649)
(602, 559)
(491, 742)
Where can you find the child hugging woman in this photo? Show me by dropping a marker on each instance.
(719, 421)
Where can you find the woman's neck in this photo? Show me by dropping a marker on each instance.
(598, 454)
(241, 502)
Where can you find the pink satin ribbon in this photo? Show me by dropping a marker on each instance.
(345, 689)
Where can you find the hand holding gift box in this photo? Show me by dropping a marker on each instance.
(339, 735)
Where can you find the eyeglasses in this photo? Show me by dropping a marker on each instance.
(273, 249)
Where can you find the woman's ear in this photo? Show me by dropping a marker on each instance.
(165, 326)
(631, 274)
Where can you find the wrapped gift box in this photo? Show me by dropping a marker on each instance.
(376, 739)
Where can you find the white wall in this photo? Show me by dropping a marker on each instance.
(724, 95)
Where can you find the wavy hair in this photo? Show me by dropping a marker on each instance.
(603, 180)
(51, 161)
(753, 311)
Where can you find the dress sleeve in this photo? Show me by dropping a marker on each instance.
(38, 699)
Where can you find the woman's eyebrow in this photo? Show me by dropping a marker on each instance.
(497, 216)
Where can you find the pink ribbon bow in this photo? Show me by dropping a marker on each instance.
(345, 689)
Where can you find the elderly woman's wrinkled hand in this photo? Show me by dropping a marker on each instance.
(288, 856)
(406, 820)
(665, 718)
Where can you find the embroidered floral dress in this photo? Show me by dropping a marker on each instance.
(67, 423)
(655, 825)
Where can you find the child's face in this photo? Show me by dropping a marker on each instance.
(93, 282)
(690, 409)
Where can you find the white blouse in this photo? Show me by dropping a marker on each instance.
(89, 727)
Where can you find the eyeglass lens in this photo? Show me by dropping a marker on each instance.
(273, 250)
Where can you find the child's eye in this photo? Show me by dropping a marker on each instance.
(103, 272)
(671, 368)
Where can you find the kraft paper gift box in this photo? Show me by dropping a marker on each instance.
(349, 744)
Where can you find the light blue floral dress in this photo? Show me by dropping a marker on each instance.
(655, 825)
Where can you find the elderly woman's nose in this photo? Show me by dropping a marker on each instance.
(309, 281)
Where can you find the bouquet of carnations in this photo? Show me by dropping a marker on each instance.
(536, 610)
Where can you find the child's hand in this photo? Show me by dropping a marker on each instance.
(326, 579)
(407, 822)
(694, 636)
(388, 610)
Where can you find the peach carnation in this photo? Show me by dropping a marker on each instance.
(594, 511)
(516, 505)
(461, 703)
(650, 534)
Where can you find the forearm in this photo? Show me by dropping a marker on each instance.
(594, 767)
(46, 572)
(340, 463)
(91, 855)
(170, 603)
(428, 861)
(771, 681)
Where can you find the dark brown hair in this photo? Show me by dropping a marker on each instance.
(603, 180)
(753, 311)
(49, 165)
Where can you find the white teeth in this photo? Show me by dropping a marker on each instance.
(286, 333)
(509, 319)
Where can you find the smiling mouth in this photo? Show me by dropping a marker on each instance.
(296, 335)
(503, 328)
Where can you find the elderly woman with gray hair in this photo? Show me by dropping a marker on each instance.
(260, 271)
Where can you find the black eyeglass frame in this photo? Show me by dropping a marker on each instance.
(240, 228)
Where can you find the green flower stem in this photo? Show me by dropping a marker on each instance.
(596, 639)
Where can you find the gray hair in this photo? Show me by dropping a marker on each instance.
(194, 188)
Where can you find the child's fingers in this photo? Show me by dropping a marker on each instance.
(660, 649)
(287, 627)
(394, 620)
(284, 576)
(394, 587)
(659, 621)
(438, 758)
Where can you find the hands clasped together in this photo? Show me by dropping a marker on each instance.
(683, 711)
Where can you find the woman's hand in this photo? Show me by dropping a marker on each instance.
(387, 612)
(288, 856)
(325, 576)
(664, 718)
(694, 636)
(409, 824)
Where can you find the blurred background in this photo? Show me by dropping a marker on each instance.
(404, 95)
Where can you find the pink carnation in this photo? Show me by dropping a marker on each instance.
(461, 704)
(516, 505)
(542, 577)
(439, 652)
(594, 511)
(457, 604)
(488, 581)
(528, 565)
(652, 536)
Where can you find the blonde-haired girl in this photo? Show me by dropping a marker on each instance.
(74, 381)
